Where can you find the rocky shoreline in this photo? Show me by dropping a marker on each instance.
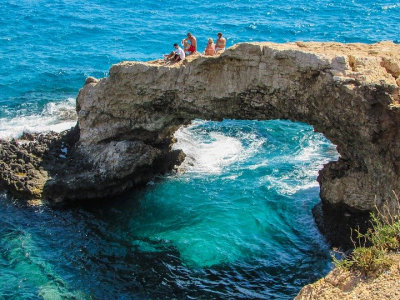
(37, 165)
(126, 122)
(52, 168)
(28, 162)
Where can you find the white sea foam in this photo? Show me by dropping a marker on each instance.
(211, 153)
(304, 177)
(386, 7)
(314, 151)
(208, 157)
(289, 185)
(56, 116)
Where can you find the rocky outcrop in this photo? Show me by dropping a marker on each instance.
(107, 169)
(346, 285)
(51, 167)
(21, 167)
(28, 163)
(348, 92)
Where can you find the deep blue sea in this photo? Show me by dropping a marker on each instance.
(235, 222)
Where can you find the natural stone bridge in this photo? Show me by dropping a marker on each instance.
(348, 92)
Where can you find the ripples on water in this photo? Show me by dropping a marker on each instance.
(236, 223)
(48, 48)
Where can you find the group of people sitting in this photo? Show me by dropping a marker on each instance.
(190, 47)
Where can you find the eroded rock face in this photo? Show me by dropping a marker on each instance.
(348, 92)
(51, 167)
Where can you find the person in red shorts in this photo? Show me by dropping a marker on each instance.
(193, 43)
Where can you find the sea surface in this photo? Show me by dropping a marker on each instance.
(235, 222)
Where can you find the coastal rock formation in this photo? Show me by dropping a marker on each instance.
(348, 92)
(126, 122)
(20, 164)
(51, 167)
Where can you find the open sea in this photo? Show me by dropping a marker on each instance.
(237, 223)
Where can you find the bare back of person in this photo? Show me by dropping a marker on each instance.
(220, 43)
(193, 42)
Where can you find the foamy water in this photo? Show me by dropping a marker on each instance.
(56, 116)
(211, 152)
(221, 179)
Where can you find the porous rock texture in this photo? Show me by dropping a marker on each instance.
(51, 167)
(27, 164)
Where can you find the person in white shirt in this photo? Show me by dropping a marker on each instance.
(179, 53)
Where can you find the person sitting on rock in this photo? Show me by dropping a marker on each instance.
(210, 48)
(176, 55)
(221, 43)
(179, 53)
(193, 43)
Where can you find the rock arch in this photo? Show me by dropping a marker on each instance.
(126, 122)
(348, 92)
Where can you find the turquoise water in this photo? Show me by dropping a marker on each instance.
(234, 222)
